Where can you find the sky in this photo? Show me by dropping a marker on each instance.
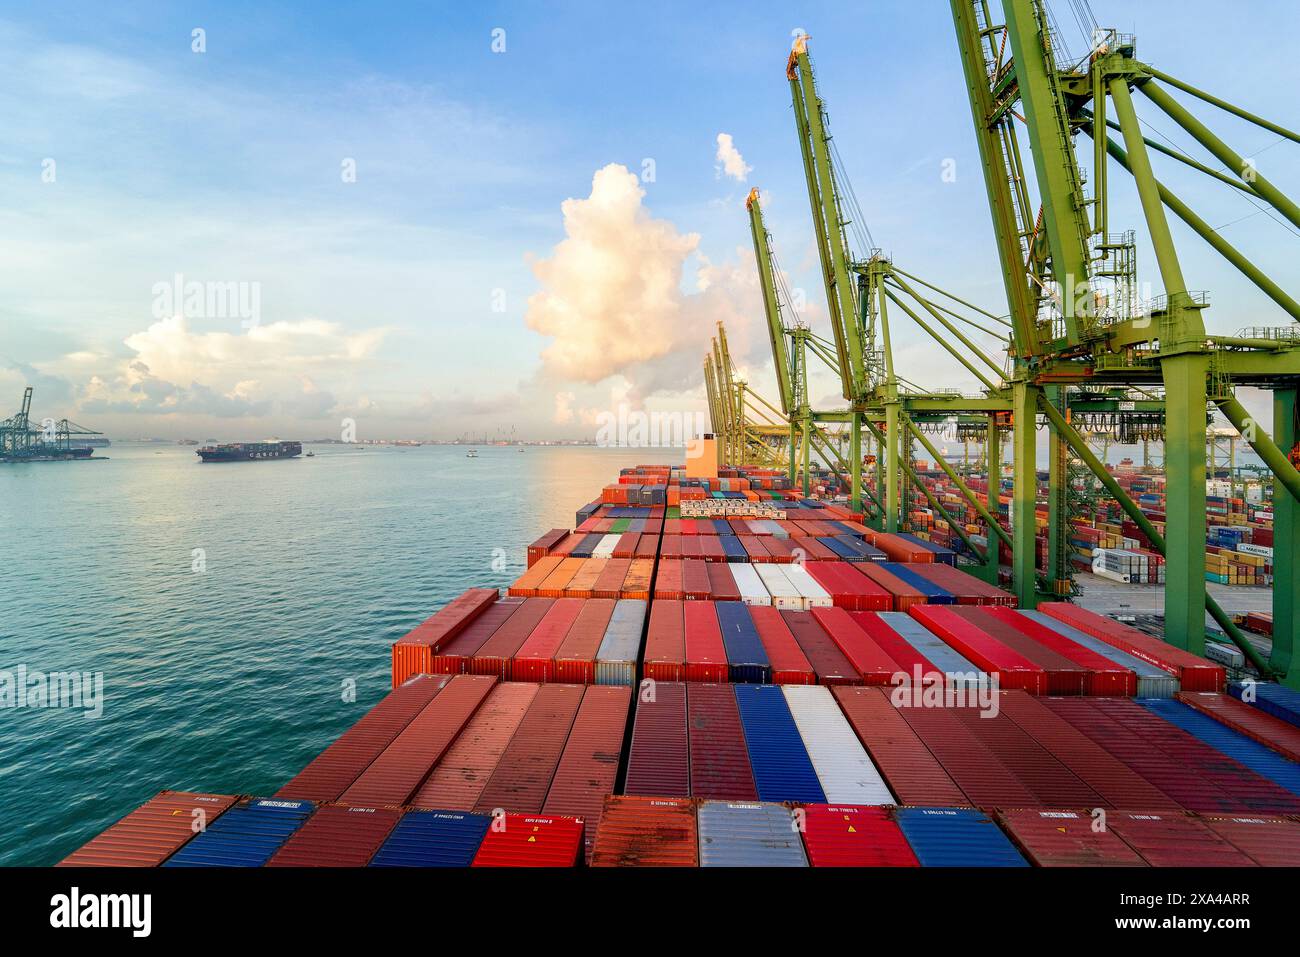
(237, 220)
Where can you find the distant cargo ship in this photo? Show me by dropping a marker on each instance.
(249, 451)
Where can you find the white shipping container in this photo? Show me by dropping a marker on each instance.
(784, 594)
(843, 766)
(1225, 654)
(813, 594)
(1263, 551)
(605, 547)
(750, 585)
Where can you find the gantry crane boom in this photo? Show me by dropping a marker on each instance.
(776, 329)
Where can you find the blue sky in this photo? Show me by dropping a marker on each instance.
(402, 299)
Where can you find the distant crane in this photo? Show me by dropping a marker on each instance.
(19, 442)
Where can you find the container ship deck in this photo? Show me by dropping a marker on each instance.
(717, 671)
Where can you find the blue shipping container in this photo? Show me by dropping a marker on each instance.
(933, 593)
(245, 836)
(1281, 702)
(782, 768)
(732, 548)
(747, 660)
(956, 837)
(433, 839)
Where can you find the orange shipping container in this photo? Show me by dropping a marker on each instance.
(637, 583)
(526, 584)
(584, 582)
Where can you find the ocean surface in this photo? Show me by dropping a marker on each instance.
(230, 678)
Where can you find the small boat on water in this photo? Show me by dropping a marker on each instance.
(471, 454)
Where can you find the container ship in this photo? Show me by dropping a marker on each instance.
(717, 670)
(249, 451)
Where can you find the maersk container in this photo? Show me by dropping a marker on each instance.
(245, 836)
(752, 591)
(1152, 682)
(433, 839)
(843, 767)
(782, 769)
(748, 835)
(1260, 759)
(1274, 699)
(620, 649)
(956, 837)
(959, 671)
(784, 594)
(813, 594)
(747, 662)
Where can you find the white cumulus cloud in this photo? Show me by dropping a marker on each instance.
(730, 162)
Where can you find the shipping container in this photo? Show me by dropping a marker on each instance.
(245, 836)
(522, 777)
(646, 832)
(706, 656)
(433, 839)
(495, 655)
(722, 585)
(719, 760)
(981, 648)
(853, 836)
(659, 759)
(535, 659)
(746, 659)
(782, 768)
(750, 834)
(337, 835)
(866, 657)
(784, 594)
(1066, 839)
(1175, 840)
(1103, 676)
(1152, 681)
(152, 832)
(1279, 701)
(810, 592)
(397, 773)
(1274, 733)
(1064, 676)
(413, 652)
(934, 594)
(453, 657)
(620, 649)
(695, 580)
(542, 547)
(459, 778)
(750, 585)
(959, 671)
(610, 582)
(665, 646)
(789, 663)
(956, 837)
(575, 659)
(913, 773)
(826, 659)
(525, 840)
(849, 589)
(332, 771)
(588, 768)
(903, 595)
(844, 769)
(1268, 841)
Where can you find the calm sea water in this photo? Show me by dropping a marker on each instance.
(230, 679)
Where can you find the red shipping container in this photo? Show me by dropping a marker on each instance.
(899, 549)
(522, 840)
(914, 774)
(459, 778)
(827, 661)
(695, 580)
(495, 655)
(692, 548)
(1194, 674)
(1175, 840)
(904, 595)
(670, 546)
(981, 648)
(690, 526)
(849, 589)
(331, 772)
(780, 550)
(968, 589)
(1105, 677)
(646, 832)
(1273, 733)
(626, 546)
(152, 832)
(986, 782)
(453, 658)
(706, 656)
(1066, 839)
(575, 660)
(637, 583)
(647, 546)
(413, 652)
(542, 547)
(722, 584)
(854, 836)
(588, 767)
(897, 647)
(659, 759)
(665, 645)
(866, 657)
(789, 664)
(668, 579)
(719, 760)
(711, 548)
(535, 659)
(522, 777)
(1064, 676)
(756, 549)
(397, 773)
(584, 580)
(1268, 841)
(610, 582)
(813, 550)
(337, 836)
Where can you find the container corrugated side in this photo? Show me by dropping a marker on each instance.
(750, 585)
(827, 661)
(853, 836)
(1064, 676)
(1175, 839)
(1066, 839)
(782, 769)
(956, 837)
(527, 840)
(1277, 700)
(619, 652)
(733, 834)
(659, 759)
(646, 832)
(433, 839)
(494, 657)
(1268, 840)
(459, 778)
(958, 670)
(843, 767)
(665, 645)
(1104, 676)
(454, 656)
(813, 595)
(746, 659)
(152, 832)
(245, 836)
(1274, 733)
(522, 777)
(1014, 669)
(868, 659)
(1152, 681)
(706, 656)
(575, 659)
(789, 663)
(719, 761)
(535, 659)
(413, 652)
(337, 835)
(784, 594)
